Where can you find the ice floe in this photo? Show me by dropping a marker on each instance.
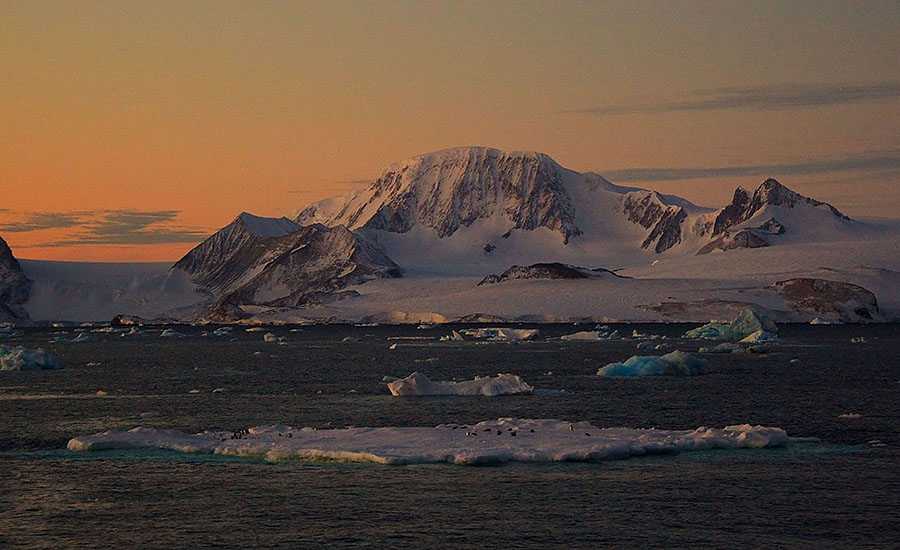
(21, 358)
(419, 384)
(496, 441)
(676, 363)
(170, 333)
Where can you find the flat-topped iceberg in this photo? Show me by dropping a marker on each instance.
(591, 336)
(676, 363)
(496, 441)
(20, 358)
(745, 324)
(419, 384)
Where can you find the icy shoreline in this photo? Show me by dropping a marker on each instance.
(495, 441)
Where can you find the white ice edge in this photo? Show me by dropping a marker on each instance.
(485, 442)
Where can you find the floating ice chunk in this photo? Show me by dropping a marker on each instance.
(222, 331)
(269, 337)
(254, 329)
(665, 346)
(746, 323)
(393, 346)
(419, 384)
(857, 340)
(170, 333)
(826, 321)
(504, 334)
(676, 363)
(20, 358)
(585, 335)
(452, 337)
(591, 336)
(645, 345)
(759, 336)
(496, 441)
(82, 337)
(852, 416)
(724, 347)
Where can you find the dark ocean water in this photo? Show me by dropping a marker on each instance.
(842, 491)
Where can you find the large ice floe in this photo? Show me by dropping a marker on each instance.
(419, 384)
(676, 363)
(20, 358)
(495, 441)
(746, 324)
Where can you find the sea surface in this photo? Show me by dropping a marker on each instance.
(838, 488)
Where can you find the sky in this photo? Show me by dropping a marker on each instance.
(130, 131)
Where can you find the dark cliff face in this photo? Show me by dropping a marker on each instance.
(664, 221)
(15, 288)
(734, 213)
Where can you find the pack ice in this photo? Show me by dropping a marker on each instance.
(495, 441)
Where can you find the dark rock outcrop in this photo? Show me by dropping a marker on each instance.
(548, 271)
(15, 287)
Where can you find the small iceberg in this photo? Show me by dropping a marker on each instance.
(452, 337)
(746, 324)
(21, 358)
(170, 333)
(419, 384)
(676, 363)
(269, 337)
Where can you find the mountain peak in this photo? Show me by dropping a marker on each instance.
(769, 193)
(453, 188)
(265, 227)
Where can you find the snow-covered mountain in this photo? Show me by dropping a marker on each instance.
(773, 210)
(474, 210)
(14, 287)
(276, 262)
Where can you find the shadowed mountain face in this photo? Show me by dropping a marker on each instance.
(734, 225)
(14, 287)
(276, 262)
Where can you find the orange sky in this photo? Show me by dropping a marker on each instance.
(128, 131)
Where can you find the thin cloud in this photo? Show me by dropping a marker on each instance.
(777, 97)
(885, 162)
(37, 221)
(106, 227)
